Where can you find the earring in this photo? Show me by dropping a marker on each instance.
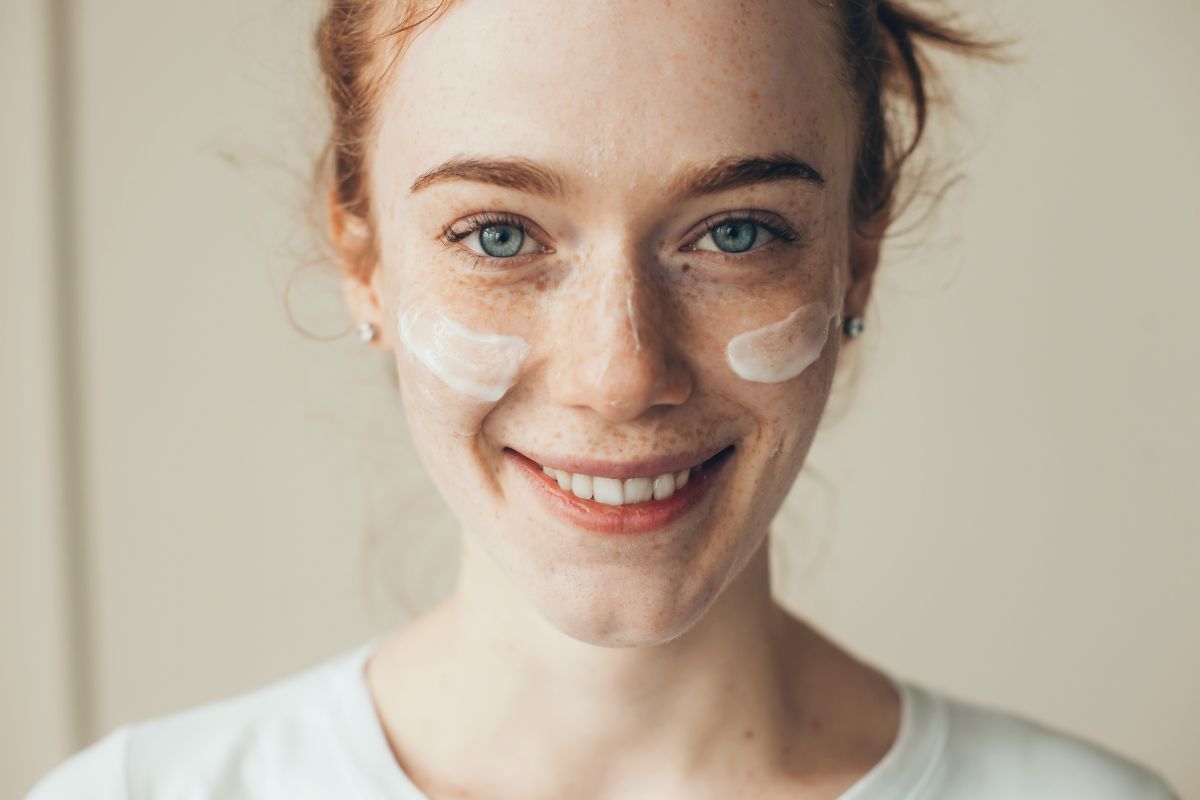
(366, 332)
(853, 326)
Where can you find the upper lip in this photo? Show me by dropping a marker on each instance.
(645, 468)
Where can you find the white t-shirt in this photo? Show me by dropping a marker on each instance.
(316, 735)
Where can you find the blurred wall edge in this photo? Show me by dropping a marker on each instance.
(35, 683)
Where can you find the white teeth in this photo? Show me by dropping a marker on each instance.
(607, 491)
(664, 486)
(581, 485)
(638, 490)
(617, 492)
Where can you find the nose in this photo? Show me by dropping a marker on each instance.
(618, 355)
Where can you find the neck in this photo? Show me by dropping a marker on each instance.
(510, 684)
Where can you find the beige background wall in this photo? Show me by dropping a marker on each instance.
(191, 489)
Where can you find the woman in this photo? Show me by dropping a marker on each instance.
(616, 249)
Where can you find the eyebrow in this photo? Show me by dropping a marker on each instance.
(733, 172)
(527, 175)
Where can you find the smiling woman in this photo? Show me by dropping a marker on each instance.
(615, 249)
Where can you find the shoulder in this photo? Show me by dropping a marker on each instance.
(993, 753)
(95, 772)
(234, 748)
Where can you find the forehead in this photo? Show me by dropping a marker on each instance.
(617, 91)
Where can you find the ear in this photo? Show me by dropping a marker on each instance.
(865, 248)
(361, 282)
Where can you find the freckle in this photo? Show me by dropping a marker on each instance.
(749, 734)
(753, 94)
(540, 285)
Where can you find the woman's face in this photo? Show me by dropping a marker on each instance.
(570, 307)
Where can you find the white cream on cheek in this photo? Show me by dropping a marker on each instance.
(782, 350)
(478, 364)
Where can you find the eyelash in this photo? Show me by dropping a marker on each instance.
(478, 222)
(784, 232)
(785, 235)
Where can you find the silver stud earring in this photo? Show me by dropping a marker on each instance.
(853, 326)
(366, 332)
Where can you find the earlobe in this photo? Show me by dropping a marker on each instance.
(362, 300)
(350, 237)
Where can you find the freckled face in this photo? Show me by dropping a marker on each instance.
(625, 298)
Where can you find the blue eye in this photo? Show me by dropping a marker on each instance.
(501, 238)
(735, 236)
(501, 241)
(738, 232)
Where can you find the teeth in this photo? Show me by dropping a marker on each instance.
(581, 485)
(638, 490)
(617, 492)
(664, 486)
(607, 491)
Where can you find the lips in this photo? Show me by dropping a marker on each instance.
(649, 467)
(641, 517)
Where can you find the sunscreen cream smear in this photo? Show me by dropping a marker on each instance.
(782, 350)
(478, 364)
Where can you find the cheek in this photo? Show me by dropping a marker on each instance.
(453, 370)
(452, 358)
(773, 354)
(452, 376)
(787, 408)
(480, 365)
(779, 351)
(787, 415)
(769, 334)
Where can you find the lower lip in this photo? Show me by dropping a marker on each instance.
(635, 518)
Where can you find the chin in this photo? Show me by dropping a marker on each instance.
(630, 615)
